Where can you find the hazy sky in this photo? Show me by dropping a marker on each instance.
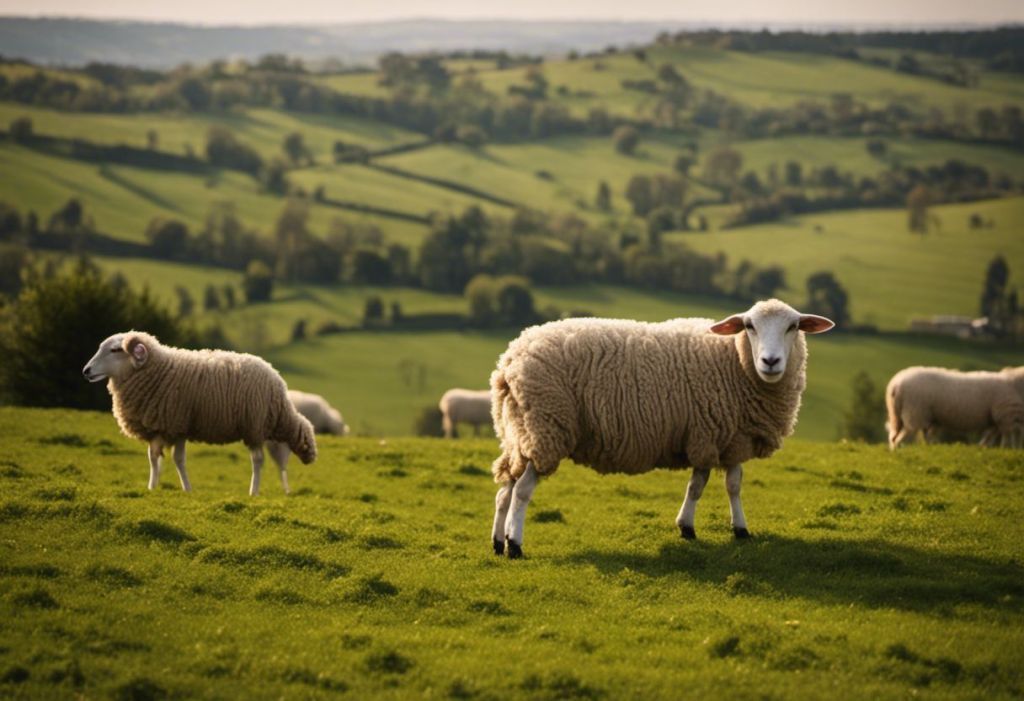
(918, 12)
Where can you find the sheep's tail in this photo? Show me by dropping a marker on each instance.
(302, 441)
(894, 407)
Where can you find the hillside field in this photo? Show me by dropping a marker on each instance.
(884, 575)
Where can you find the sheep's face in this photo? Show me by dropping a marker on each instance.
(771, 329)
(117, 356)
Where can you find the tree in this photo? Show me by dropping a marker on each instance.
(229, 297)
(877, 148)
(603, 200)
(152, 139)
(639, 192)
(864, 420)
(626, 139)
(299, 330)
(258, 283)
(211, 299)
(659, 220)
(275, 177)
(167, 237)
(826, 297)
(185, 302)
(15, 262)
(480, 294)
(996, 304)
(429, 422)
(471, 135)
(61, 317)
(515, 302)
(683, 163)
(295, 148)
(794, 173)
(69, 218)
(225, 151)
(21, 129)
(918, 201)
(722, 166)
(373, 311)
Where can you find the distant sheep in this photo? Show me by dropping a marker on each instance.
(625, 396)
(324, 418)
(923, 400)
(464, 406)
(166, 396)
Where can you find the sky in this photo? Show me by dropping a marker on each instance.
(800, 12)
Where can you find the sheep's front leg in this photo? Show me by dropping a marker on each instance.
(516, 520)
(156, 457)
(694, 489)
(501, 504)
(179, 462)
(733, 481)
(257, 464)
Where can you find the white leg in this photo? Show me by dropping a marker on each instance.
(733, 481)
(516, 519)
(179, 462)
(156, 456)
(689, 509)
(501, 504)
(257, 464)
(449, 427)
(280, 453)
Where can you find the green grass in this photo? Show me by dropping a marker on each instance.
(263, 129)
(884, 575)
(890, 274)
(121, 200)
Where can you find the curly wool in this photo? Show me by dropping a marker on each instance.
(627, 396)
(921, 397)
(210, 396)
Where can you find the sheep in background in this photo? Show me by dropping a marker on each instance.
(925, 399)
(166, 396)
(464, 406)
(324, 419)
(626, 396)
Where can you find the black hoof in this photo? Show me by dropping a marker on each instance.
(515, 550)
(688, 533)
(499, 547)
(741, 533)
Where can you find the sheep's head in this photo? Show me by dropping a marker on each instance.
(771, 329)
(118, 355)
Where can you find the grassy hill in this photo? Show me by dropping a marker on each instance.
(885, 575)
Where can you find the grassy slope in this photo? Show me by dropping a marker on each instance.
(883, 575)
(122, 200)
(891, 275)
(263, 129)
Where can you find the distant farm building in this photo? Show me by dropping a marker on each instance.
(950, 325)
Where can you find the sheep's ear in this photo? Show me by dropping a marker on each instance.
(137, 350)
(727, 327)
(812, 323)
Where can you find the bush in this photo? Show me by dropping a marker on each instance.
(21, 129)
(167, 237)
(626, 140)
(225, 151)
(865, 419)
(54, 327)
(258, 283)
(428, 422)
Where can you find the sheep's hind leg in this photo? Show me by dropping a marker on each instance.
(501, 503)
(156, 457)
(694, 489)
(733, 481)
(516, 519)
(256, 454)
(179, 462)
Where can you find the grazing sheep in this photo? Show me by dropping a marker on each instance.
(165, 396)
(323, 417)
(926, 399)
(465, 406)
(625, 396)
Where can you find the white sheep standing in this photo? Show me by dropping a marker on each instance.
(626, 396)
(921, 400)
(167, 396)
(464, 406)
(324, 418)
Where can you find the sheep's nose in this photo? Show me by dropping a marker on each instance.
(86, 371)
(771, 362)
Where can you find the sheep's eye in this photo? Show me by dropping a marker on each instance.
(748, 326)
(117, 350)
(792, 327)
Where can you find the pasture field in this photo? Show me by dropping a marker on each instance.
(890, 273)
(870, 575)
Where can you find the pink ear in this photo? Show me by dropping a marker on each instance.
(729, 326)
(812, 323)
(139, 352)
